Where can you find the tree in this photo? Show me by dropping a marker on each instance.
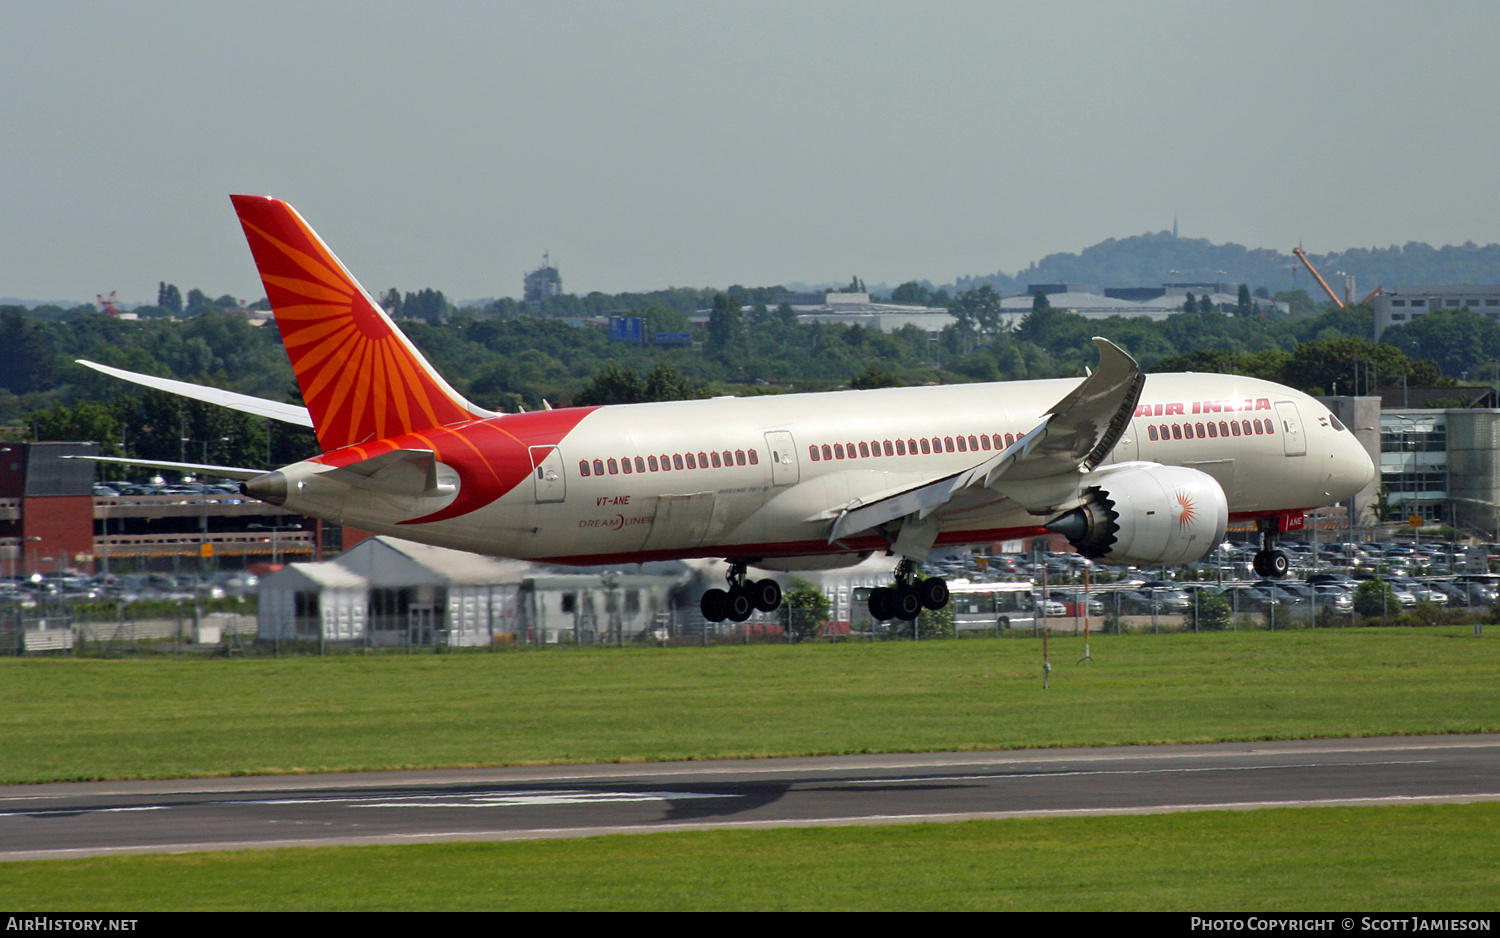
(169, 298)
(1039, 301)
(976, 313)
(665, 383)
(911, 293)
(806, 610)
(27, 360)
(1211, 612)
(726, 328)
(1245, 306)
(390, 301)
(874, 376)
(1375, 598)
(612, 385)
(1457, 339)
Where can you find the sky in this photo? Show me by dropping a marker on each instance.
(691, 144)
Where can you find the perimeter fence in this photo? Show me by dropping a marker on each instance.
(230, 628)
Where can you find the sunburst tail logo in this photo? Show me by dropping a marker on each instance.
(360, 378)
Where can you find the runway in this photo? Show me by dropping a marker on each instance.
(90, 819)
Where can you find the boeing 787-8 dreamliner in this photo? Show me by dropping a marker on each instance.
(1130, 468)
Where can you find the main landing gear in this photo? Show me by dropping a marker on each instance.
(909, 596)
(742, 599)
(1268, 561)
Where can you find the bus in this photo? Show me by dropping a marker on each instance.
(976, 606)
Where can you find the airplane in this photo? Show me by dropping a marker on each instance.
(1130, 468)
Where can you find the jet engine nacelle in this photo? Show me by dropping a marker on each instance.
(1148, 515)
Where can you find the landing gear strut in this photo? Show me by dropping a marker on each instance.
(742, 599)
(1268, 561)
(909, 596)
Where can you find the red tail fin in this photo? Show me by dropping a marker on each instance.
(361, 379)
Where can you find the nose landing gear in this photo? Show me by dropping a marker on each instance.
(742, 599)
(1268, 561)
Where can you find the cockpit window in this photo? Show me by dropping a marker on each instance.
(1335, 421)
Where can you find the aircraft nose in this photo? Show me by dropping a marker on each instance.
(1352, 468)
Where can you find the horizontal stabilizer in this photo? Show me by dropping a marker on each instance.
(400, 472)
(259, 406)
(227, 472)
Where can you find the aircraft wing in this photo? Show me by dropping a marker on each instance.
(1074, 435)
(259, 406)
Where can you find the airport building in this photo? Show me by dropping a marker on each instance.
(52, 520)
(1400, 305)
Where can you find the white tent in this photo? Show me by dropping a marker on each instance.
(312, 602)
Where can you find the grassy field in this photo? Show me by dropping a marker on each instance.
(1359, 860)
(63, 719)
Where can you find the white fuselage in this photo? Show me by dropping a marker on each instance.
(781, 502)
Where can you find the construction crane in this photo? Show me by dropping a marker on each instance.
(108, 302)
(1348, 283)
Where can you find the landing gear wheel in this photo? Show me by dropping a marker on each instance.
(934, 592)
(765, 594)
(883, 604)
(1270, 563)
(714, 605)
(740, 605)
(908, 603)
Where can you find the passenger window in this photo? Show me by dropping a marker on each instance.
(598, 467)
(827, 451)
(962, 446)
(651, 461)
(947, 443)
(813, 452)
(1176, 431)
(864, 449)
(984, 440)
(625, 465)
(692, 464)
(640, 464)
(614, 468)
(677, 460)
(754, 459)
(583, 467)
(728, 458)
(973, 443)
(1151, 429)
(900, 447)
(926, 446)
(702, 460)
(889, 449)
(717, 463)
(838, 451)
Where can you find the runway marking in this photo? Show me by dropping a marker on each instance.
(502, 799)
(43, 812)
(1062, 773)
